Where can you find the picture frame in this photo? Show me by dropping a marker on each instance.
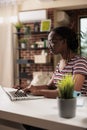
(45, 25)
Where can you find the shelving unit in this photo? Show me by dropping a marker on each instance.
(25, 56)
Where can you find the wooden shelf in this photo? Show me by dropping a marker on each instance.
(32, 33)
(24, 61)
(25, 56)
(27, 48)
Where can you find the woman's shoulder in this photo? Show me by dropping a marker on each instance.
(80, 58)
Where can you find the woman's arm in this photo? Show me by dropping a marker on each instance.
(48, 90)
(46, 93)
(33, 88)
(79, 80)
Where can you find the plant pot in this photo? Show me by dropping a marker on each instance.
(67, 107)
(18, 29)
(23, 45)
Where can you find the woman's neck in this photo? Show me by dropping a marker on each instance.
(69, 55)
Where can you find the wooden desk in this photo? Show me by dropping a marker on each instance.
(41, 113)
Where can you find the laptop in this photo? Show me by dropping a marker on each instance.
(20, 95)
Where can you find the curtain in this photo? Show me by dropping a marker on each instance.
(7, 45)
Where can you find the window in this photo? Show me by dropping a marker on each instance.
(83, 35)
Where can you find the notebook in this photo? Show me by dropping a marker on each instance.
(20, 95)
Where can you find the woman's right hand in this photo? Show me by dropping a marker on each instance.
(33, 89)
(16, 86)
(29, 88)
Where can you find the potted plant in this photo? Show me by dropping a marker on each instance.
(18, 26)
(23, 42)
(66, 100)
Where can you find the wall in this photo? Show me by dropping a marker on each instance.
(29, 54)
(59, 4)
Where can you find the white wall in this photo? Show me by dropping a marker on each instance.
(59, 4)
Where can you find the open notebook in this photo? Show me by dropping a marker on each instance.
(20, 95)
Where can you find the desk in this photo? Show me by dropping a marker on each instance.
(41, 113)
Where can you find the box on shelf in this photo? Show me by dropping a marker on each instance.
(42, 59)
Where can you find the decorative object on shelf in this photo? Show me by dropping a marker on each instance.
(27, 30)
(23, 42)
(35, 45)
(45, 25)
(36, 27)
(44, 42)
(66, 100)
(43, 58)
(18, 26)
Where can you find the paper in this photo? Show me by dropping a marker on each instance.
(80, 101)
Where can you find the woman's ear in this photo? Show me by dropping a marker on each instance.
(64, 41)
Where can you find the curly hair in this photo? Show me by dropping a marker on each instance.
(70, 36)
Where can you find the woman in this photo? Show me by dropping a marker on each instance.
(62, 40)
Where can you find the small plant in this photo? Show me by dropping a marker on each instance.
(66, 87)
(23, 40)
(18, 25)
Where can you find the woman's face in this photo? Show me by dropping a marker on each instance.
(56, 44)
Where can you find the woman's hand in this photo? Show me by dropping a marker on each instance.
(33, 89)
(41, 92)
(27, 89)
(16, 86)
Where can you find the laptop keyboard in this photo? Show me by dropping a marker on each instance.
(18, 94)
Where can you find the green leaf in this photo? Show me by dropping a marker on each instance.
(66, 87)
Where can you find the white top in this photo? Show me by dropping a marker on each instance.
(41, 113)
